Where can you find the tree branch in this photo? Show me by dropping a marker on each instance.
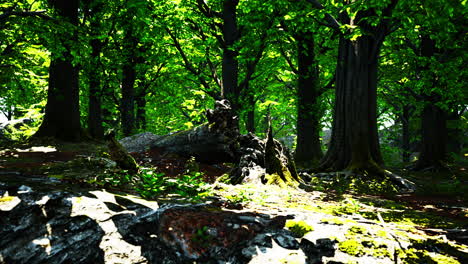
(332, 22)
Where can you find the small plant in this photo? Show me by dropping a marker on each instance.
(201, 237)
(298, 228)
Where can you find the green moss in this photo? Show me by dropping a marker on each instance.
(298, 228)
(413, 217)
(352, 247)
(381, 233)
(375, 248)
(357, 229)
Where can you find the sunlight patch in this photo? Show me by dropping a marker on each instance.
(115, 248)
(37, 149)
(7, 203)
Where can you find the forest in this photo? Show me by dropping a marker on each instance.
(180, 101)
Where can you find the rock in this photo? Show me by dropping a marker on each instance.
(286, 241)
(139, 142)
(41, 225)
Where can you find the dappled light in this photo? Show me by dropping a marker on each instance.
(233, 131)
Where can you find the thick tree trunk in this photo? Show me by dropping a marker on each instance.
(230, 64)
(434, 137)
(95, 105)
(433, 120)
(128, 82)
(62, 113)
(354, 144)
(308, 150)
(250, 122)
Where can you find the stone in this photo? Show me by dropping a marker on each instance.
(286, 241)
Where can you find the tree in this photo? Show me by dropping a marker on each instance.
(354, 144)
(230, 89)
(62, 113)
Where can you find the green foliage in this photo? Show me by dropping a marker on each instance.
(298, 228)
(114, 178)
(152, 185)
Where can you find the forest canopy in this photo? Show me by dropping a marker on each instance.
(345, 84)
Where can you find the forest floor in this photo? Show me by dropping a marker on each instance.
(433, 219)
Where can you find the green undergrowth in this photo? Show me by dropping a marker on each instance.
(150, 184)
(345, 183)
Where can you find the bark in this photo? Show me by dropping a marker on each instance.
(433, 121)
(128, 83)
(434, 137)
(62, 113)
(354, 144)
(230, 69)
(95, 127)
(308, 150)
(213, 142)
(250, 123)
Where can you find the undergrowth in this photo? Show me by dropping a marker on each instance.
(151, 184)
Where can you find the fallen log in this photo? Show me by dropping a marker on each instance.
(219, 141)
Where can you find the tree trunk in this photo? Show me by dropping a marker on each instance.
(433, 120)
(354, 144)
(308, 150)
(230, 64)
(95, 105)
(434, 137)
(128, 82)
(250, 122)
(62, 113)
